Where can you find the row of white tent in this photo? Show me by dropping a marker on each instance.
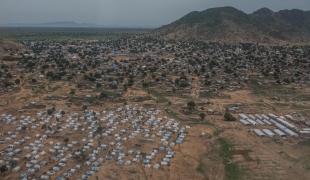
(282, 126)
(270, 133)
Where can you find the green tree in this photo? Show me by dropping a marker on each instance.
(191, 105)
(229, 117)
(202, 116)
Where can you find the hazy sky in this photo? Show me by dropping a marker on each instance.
(125, 13)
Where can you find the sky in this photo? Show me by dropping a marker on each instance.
(124, 13)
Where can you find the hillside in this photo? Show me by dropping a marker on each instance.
(231, 24)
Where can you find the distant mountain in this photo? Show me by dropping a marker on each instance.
(231, 24)
(55, 24)
(67, 24)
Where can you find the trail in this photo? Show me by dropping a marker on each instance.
(195, 87)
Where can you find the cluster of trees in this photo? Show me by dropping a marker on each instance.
(228, 116)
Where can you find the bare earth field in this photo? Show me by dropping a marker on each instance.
(199, 157)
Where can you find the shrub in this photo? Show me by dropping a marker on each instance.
(202, 116)
(191, 105)
(229, 117)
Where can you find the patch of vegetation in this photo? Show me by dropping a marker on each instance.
(283, 92)
(171, 113)
(302, 97)
(201, 168)
(62, 34)
(158, 96)
(207, 94)
(91, 99)
(191, 105)
(205, 122)
(202, 116)
(305, 142)
(54, 88)
(217, 132)
(229, 117)
(105, 94)
(40, 88)
(307, 166)
(232, 170)
(140, 98)
(300, 106)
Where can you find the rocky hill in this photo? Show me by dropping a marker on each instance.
(231, 24)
